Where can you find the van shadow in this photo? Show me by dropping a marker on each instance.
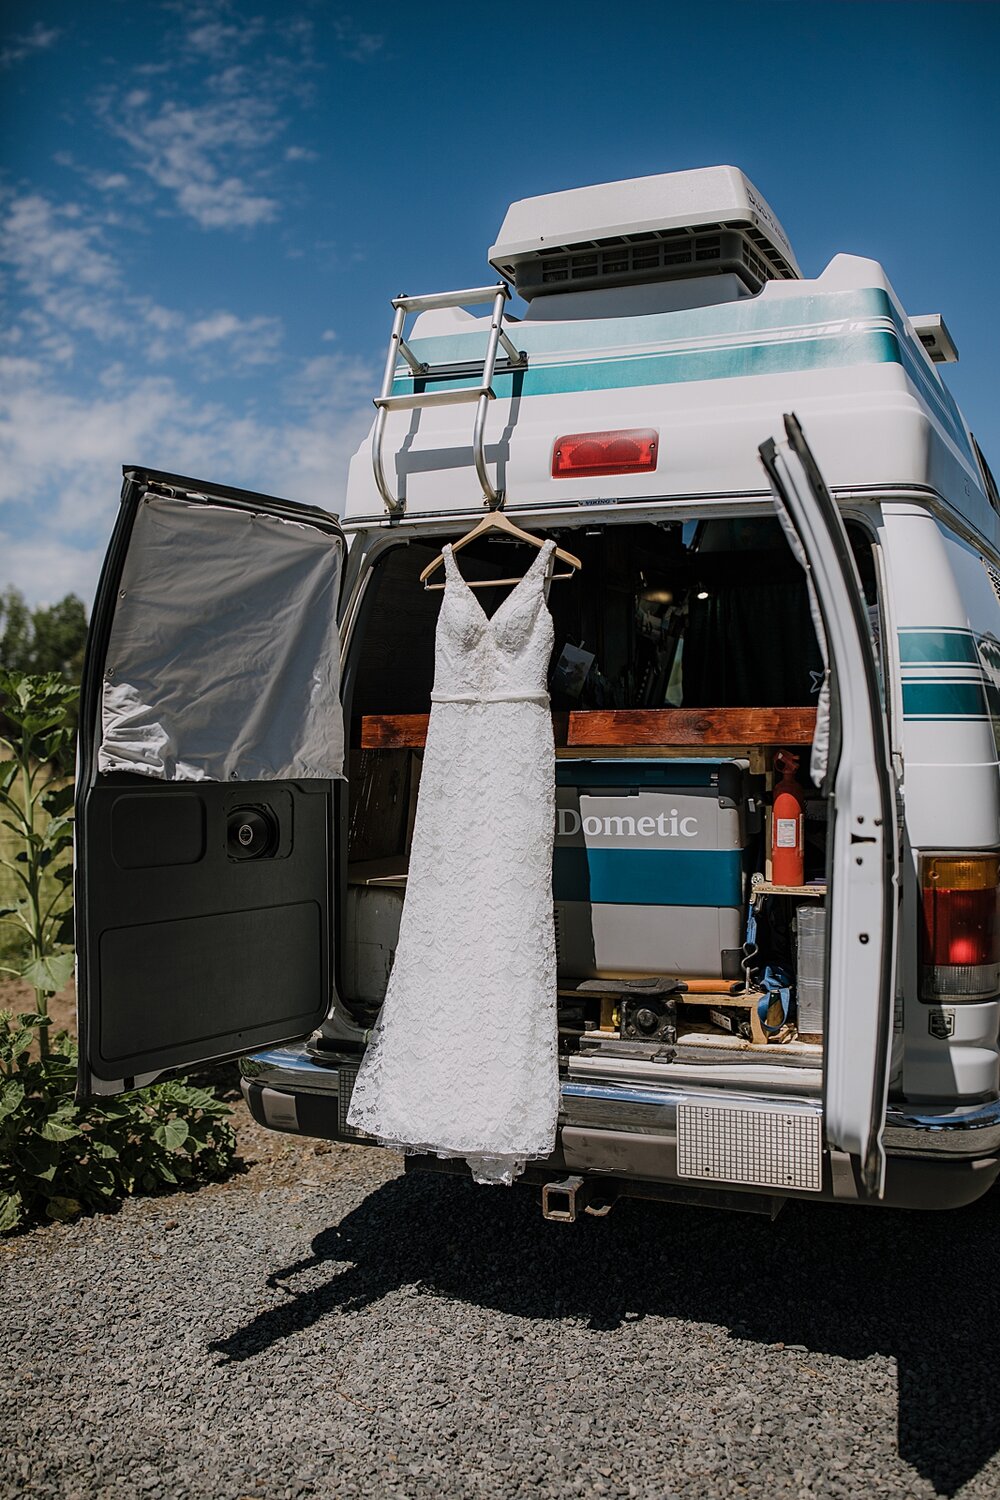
(921, 1288)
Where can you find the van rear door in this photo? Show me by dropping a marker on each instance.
(862, 850)
(211, 743)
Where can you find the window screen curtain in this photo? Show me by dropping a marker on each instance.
(224, 657)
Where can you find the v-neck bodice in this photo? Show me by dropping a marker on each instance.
(498, 658)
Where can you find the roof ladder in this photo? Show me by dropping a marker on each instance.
(448, 395)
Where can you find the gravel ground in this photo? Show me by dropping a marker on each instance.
(323, 1325)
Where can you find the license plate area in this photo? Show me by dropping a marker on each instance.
(761, 1147)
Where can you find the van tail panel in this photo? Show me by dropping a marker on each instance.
(210, 745)
(862, 850)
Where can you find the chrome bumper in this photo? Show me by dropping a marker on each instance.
(928, 1131)
(935, 1130)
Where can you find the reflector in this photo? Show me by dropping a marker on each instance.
(584, 454)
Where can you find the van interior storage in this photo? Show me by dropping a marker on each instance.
(685, 658)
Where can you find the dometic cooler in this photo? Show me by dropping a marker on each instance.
(648, 873)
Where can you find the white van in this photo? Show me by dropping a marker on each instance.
(790, 542)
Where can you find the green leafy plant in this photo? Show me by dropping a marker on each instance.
(36, 807)
(58, 1158)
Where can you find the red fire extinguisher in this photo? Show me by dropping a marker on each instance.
(787, 824)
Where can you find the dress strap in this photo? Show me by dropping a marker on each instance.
(545, 552)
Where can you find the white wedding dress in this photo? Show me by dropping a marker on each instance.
(463, 1059)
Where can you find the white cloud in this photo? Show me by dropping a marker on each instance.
(63, 270)
(216, 39)
(205, 132)
(103, 182)
(226, 205)
(108, 182)
(221, 325)
(38, 39)
(61, 457)
(47, 243)
(341, 378)
(46, 569)
(73, 286)
(253, 341)
(202, 153)
(358, 45)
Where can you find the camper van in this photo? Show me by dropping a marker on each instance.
(775, 691)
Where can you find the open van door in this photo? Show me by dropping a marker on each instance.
(211, 741)
(862, 849)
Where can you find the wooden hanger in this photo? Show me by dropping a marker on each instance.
(497, 521)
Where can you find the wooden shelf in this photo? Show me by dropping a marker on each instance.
(633, 727)
(691, 726)
(768, 888)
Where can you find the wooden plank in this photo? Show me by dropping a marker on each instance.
(637, 727)
(722, 999)
(691, 1035)
(768, 888)
(748, 1001)
(393, 731)
(713, 987)
(692, 726)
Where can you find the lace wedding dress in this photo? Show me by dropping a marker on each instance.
(463, 1061)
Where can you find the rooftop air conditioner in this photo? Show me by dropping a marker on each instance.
(680, 224)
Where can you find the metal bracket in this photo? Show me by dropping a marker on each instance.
(482, 394)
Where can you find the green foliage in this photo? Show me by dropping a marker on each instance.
(59, 1158)
(15, 630)
(48, 639)
(36, 810)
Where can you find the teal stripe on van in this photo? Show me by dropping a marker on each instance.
(785, 317)
(944, 700)
(952, 648)
(648, 877)
(871, 346)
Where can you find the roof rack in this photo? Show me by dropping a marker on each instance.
(448, 395)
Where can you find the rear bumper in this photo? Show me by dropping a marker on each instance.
(936, 1157)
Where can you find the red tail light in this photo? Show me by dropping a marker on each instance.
(960, 938)
(590, 454)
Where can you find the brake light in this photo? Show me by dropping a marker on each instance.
(589, 454)
(960, 937)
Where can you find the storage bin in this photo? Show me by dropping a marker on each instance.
(371, 937)
(648, 871)
(810, 956)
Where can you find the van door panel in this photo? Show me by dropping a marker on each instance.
(204, 908)
(192, 944)
(862, 853)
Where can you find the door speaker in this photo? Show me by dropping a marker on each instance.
(251, 833)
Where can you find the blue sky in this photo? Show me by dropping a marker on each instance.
(204, 207)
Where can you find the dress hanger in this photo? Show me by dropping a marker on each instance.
(497, 521)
